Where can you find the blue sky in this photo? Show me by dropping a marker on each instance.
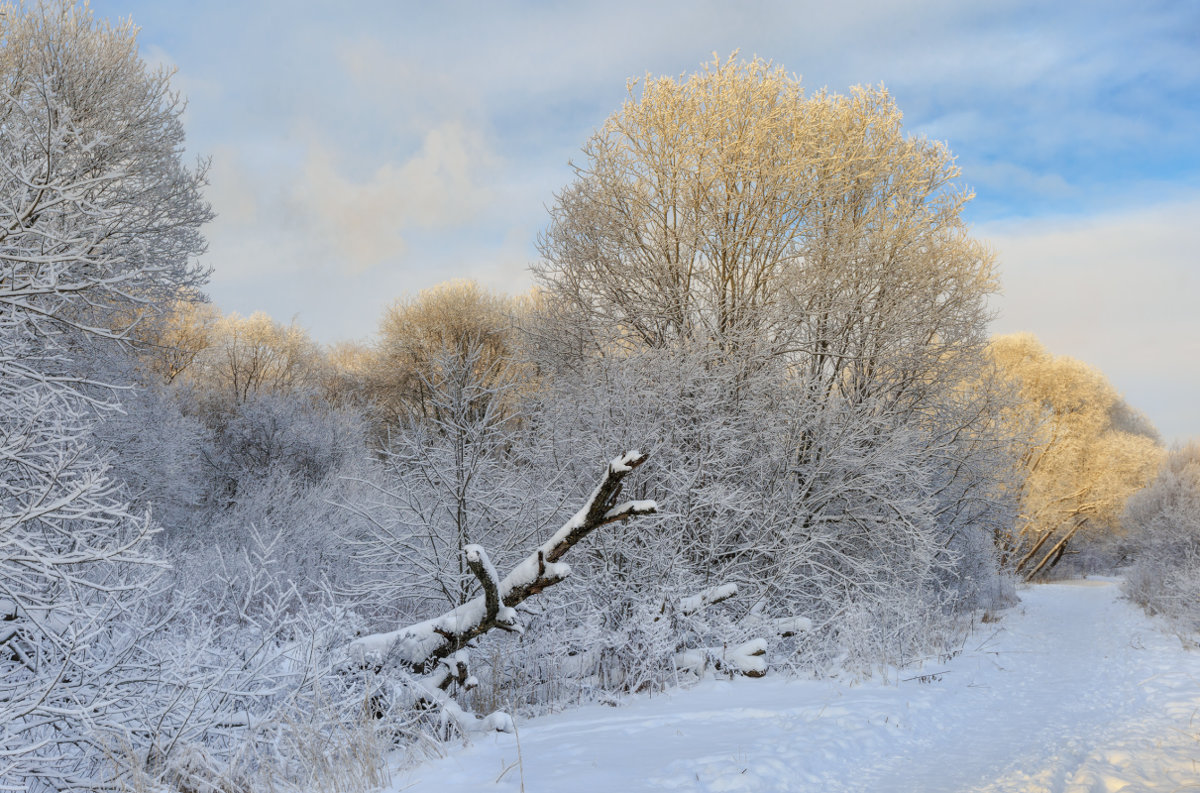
(365, 151)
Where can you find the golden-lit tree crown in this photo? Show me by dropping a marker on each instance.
(1084, 461)
(728, 209)
(456, 320)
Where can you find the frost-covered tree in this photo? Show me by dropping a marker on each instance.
(1089, 453)
(350, 368)
(729, 209)
(456, 318)
(156, 450)
(74, 567)
(99, 224)
(172, 343)
(787, 285)
(455, 473)
(247, 357)
(100, 217)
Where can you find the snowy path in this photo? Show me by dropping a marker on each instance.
(1073, 691)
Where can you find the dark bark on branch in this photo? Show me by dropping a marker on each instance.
(478, 563)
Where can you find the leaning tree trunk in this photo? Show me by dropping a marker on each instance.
(1055, 554)
(434, 648)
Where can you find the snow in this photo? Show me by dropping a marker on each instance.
(790, 626)
(692, 604)
(1072, 691)
(624, 462)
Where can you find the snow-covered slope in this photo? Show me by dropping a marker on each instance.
(1074, 690)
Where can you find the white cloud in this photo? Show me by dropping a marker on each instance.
(232, 193)
(441, 186)
(1119, 290)
(317, 217)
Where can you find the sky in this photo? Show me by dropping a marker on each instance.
(361, 152)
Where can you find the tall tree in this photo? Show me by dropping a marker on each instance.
(806, 245)
(729, 209)
(99, 212)
(256, 355)
(99, 224)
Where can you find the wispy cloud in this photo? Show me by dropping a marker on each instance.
(442, 186)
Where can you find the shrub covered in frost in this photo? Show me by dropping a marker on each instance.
(1163, 522)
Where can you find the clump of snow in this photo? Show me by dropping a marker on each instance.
(748, 659)
(790, 626)
(625, 462)
(496, 722)
(694, 603)
(476, 554)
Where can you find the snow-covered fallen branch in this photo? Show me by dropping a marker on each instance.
(422, 646)
(788, 626)
(743, 659)
(709, 597)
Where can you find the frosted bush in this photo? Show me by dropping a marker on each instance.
(1163, 524)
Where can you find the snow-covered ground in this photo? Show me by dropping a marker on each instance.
(1074, 690)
